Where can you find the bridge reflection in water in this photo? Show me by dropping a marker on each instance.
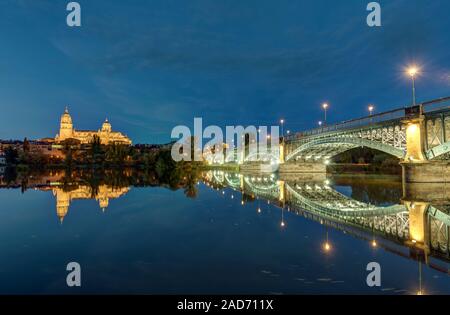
(413, 228)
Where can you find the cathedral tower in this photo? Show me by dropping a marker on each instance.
(66, 126)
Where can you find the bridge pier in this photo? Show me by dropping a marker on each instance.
(416, 168)
(426, 172)
(257, 168)
(302, 167)
(417, 222)
(434, 193)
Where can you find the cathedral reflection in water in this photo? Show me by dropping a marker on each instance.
(102, 194)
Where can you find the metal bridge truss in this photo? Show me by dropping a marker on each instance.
(389, 137)
(438, 135)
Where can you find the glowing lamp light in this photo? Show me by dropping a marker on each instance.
(412, 71)
(282, 224)
(324, 105)
(374, 243)
(412, 128)
(327, 246)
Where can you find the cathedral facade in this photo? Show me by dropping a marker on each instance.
(105, 134)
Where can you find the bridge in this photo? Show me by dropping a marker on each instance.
(412, 133)
(419, 136)
(420, 226)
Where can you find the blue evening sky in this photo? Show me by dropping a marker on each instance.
(151, 65)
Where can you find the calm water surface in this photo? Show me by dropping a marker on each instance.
(157, 240)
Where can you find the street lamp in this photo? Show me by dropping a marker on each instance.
(325, 107)
(282, 127)
(413, 71)
(370, 108)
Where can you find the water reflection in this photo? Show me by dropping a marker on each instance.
(101, 193)
(380, 210)
(101, 185)
(409, 221)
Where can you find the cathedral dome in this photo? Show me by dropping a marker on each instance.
(65, 118)
(106, 126)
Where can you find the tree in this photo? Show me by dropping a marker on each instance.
(26, 145)
(11, 155)
(96, 153)
(68, 162)
(116, 154)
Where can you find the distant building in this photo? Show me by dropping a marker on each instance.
(46, 148)
(2, 159)
(105, 134)
(15, 144)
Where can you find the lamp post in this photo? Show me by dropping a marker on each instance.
(282, 127)
(325, 107)
(413, 71)
(370, 108)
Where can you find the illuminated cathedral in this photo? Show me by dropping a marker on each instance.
(105, 134)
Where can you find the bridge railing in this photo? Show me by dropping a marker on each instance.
(436, 105)
(395, 114)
